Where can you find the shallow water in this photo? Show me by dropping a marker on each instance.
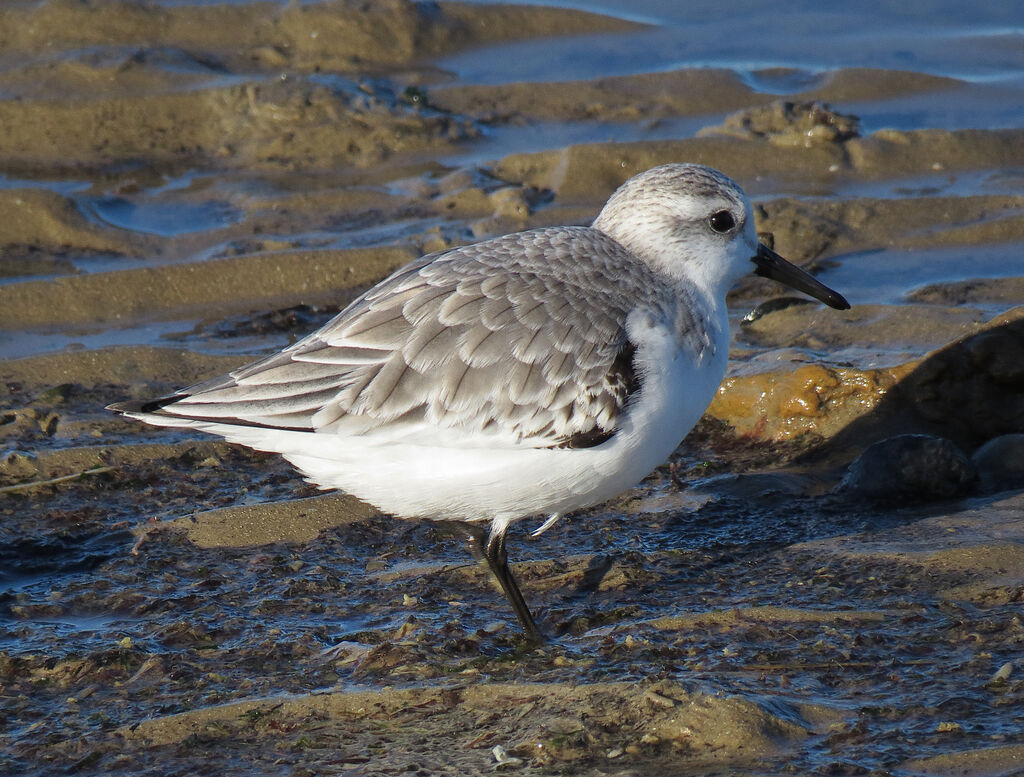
(980, 42)
(182, 196)
(888, 276)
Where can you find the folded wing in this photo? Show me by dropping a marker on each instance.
(500, 341)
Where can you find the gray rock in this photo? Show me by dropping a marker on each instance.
(909, 468)
(1000, 464)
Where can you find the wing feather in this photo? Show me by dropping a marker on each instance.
(482, 347)
(463, 307)
(377, 327)
(521, 338)
(328, 356)
(497, 313)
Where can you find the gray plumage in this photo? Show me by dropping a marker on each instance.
(521, 337)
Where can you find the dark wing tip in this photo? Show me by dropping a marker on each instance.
(144, 405)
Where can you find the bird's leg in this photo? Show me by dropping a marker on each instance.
(489, 546)
(497, 559)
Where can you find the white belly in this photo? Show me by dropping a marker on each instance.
(506, 484)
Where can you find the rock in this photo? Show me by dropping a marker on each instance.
(1000, 464)
(1002, 674)
(788, 403)
(973, 291)
(788, 123)
(909, 468)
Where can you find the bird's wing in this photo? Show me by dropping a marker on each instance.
(519, 340)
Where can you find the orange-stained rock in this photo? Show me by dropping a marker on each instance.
(970, 391)
(785, 404)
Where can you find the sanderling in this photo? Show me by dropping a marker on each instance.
(525, 376)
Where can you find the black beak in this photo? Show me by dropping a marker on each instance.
(771, 265)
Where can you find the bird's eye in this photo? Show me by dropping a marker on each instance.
(722, 221)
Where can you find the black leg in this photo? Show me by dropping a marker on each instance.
(497, 560)
(489, 546)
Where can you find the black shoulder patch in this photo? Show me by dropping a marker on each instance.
(622, 383)
(622, 379)
(589, 439)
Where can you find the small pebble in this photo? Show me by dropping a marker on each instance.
(504, 760)
(1002, 674)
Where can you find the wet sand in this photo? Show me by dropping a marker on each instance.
(180, 198)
